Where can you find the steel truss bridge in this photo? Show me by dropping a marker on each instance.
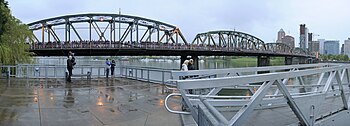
(116, 34)
(307, 95)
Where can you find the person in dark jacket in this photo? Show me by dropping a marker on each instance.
(69, 68)
(190, 65)
(70, 53)
(112, 67)
(108, 66)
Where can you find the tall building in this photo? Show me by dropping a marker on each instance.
(347, 47)
(331, 47)
(342, 49)
(289, 40)
(286, 39)
(321, 47)
(280, 35)
(303, 37)
(314, 46)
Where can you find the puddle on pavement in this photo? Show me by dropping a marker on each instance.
(80, 94)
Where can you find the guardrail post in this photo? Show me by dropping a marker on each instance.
(162, 77)
(126, 71)
(148, 75)
(136, 73)
(141, 73)
(46, 72)
(27, 74)
(55, 71)
(99, 72)
(90, 71)
(120, 70)
(82, 71)
(8, 72)
(17, 71)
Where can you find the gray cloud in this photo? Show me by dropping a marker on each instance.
(259, 18)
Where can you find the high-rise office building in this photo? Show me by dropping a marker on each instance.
(347, 47)
(331, 47)
(280, 35)
(303, 37)
(342, 49)
(321, 47)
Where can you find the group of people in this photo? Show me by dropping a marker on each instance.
(187, 65)
(110, 66)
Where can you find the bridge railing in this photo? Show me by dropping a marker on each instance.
(305, 96)
(143, 45)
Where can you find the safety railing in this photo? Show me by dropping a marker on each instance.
(51, 71)
(148, 74)
(230, 72)
(307, 96)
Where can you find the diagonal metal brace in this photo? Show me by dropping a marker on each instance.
(303, 121)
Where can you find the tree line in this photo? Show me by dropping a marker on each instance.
(330, 57)
(13, 38)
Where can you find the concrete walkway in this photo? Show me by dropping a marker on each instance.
(99, 102)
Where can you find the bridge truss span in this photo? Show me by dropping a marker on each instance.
(116, 34)
(240, 41)
(113, 28)
(230, 40)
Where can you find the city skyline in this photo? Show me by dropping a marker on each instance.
(261, 19)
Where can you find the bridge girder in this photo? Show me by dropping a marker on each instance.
(230, 40)
(131, 34)
(279, 47)
(299, 51)
(235, 40)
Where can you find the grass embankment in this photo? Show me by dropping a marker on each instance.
(252, 61)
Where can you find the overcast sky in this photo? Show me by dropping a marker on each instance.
(330, 19)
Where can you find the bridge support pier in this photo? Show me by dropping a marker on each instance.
(302, 60)
(194, 58)
(263, 61)
(288, 60)
(310, 60)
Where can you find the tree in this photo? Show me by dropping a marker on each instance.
(13, 36)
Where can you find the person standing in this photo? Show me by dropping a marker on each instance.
(108, 66)
(112, 67)
(184, 66)
(190, 65)
(70, 53)
(69, 68)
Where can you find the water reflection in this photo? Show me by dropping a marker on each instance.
(69, 98)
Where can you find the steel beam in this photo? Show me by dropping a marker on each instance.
(341, 88)
(246, 110)
(302, 118)
(76, 32)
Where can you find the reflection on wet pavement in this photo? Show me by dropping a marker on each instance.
(42, 102)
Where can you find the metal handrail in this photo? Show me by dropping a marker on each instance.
(275, 80)
(170, 110)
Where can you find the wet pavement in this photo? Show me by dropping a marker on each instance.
(99, 102)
